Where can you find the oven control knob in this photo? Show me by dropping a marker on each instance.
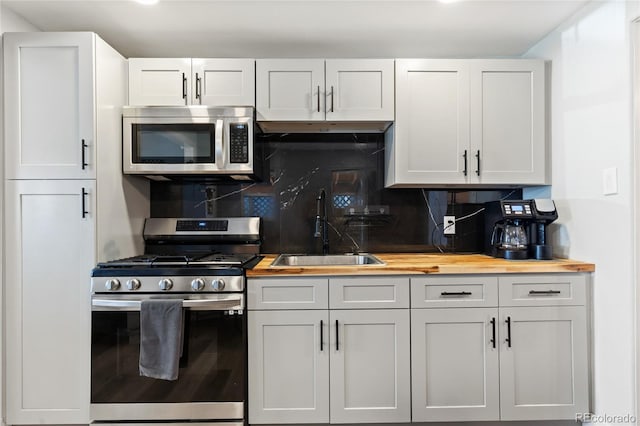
(217, 284)
(165, 284)
(197, 284)
(112, 285)
(133, 284)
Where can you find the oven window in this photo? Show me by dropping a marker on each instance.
(212, 365)
(173, 143)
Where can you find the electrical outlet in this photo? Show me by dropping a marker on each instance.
(449, 224)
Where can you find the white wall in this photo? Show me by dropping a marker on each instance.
(590, 130)
(9, 22)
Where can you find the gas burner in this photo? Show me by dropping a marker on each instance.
(185, 255)
(200, 260)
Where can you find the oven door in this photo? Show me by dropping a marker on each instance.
(211, 382)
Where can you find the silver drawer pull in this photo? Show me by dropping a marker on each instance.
(455, 293)
(543, 292)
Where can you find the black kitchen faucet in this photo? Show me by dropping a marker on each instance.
(322, 223)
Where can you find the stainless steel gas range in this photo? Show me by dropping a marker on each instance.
(198, 264)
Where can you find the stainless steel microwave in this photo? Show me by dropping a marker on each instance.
(197, 141)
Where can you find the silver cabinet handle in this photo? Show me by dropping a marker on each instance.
(318, 98)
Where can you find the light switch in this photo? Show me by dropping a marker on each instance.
(610, 181)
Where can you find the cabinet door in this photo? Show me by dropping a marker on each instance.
(359, 89)
(508, 121)
(454, 364)
(370, 371)
(159, 81)
(223, 82)
(49, 108)
(49, 256)
(543, 363)
(288, 367)
(432, 123)
(290, 89)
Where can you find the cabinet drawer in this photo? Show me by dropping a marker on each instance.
(542, 290)
(287, 293)
(369, 293)
(454, 291)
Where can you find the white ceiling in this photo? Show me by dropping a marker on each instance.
(306, 28)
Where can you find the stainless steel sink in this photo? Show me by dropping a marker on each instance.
(326, 260)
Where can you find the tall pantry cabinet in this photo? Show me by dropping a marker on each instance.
(67, 206)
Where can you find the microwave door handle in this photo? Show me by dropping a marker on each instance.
(219, 145)
(225, 304)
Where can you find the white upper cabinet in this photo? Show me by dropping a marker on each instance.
(185, 81)
(432, 122)
(159, 81)
(49, 105)
(359, 89)
(319, 90)
(290, 89)
(508, 121)
(224, 82)
(468, 122)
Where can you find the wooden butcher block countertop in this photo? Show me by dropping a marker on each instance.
(422, 263)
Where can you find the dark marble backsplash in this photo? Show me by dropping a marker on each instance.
(363, 216)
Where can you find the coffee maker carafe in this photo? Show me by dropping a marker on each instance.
(506, 228)
(510, 238)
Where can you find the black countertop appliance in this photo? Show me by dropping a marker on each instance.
(517, 229)
(544, 212)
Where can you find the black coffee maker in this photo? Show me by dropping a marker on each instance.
(506, 228)
(517, 229)
(544, 212)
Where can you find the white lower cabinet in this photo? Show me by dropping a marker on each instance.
(370, 373)
(288, 366)
(471, 348)
(50, 250)
(329, 366)
(454, 364)
(522, 355)
(543, 363)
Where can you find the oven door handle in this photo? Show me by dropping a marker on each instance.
(225, 304)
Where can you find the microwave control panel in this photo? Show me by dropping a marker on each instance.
(239, 142)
